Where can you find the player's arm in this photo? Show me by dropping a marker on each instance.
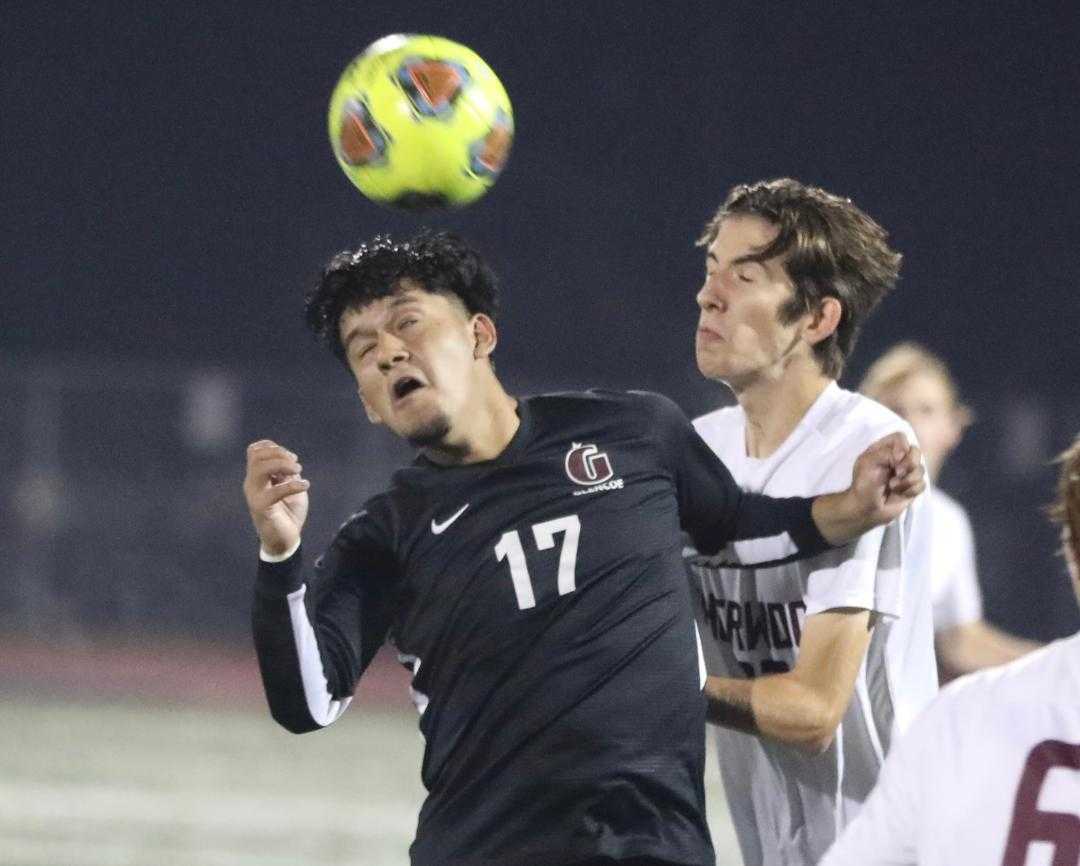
(309, 671)
(846, 591)
(886, 477)
(714, 510)
(804, 706)
(972, 646)
(963, 641)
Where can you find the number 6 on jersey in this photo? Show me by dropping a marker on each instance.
(509, 548)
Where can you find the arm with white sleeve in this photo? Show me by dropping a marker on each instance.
(964, 640)
(714, 510)
(804, 706)
(313, 639)
(848, 590)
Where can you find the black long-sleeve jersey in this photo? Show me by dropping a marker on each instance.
(543, 600)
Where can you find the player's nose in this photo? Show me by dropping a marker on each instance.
(708, 300)
(389, 350)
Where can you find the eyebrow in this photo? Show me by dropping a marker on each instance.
(747, 259)
(402, 299)
(347, 340)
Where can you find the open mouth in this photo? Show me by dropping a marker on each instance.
(404, 386)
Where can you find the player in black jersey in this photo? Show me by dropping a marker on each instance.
(528, 562)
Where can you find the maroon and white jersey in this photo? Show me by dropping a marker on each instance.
(990, 774)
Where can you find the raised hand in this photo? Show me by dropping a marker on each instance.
(276, 495)
(887, 476)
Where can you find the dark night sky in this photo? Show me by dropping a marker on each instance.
(169, 189)
(169, 186)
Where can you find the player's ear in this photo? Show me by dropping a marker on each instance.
(824, 320)
(485, 336)
(372, 415)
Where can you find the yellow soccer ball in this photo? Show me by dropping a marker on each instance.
(420, 122)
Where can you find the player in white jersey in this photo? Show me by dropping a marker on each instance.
(917, 386)
(815, 665)
(990, 773)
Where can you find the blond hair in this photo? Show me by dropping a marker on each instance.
(903, 362)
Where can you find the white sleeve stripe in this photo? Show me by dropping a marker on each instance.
(702, 672)
(838, 793)
(323, 708)
(419, 699)
(278, 557)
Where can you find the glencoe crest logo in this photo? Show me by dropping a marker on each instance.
(590, 467)
(587, 465)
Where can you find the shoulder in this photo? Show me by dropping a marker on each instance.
(720, 421)
(853, 418)
(647, 405)
(364, 542)
(641, 401)
(373, 521)
(724, 430)
(839, 427)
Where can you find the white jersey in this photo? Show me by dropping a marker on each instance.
(989, 774)
(788, 807)
(953, 580)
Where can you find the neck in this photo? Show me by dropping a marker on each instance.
(491, 425)
(774, 406)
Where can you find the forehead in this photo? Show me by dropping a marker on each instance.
(408, 294)
(742, 234)
(924, 386)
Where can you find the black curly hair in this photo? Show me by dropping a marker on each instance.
(439, 261)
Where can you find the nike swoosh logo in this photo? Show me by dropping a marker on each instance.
(440, 528)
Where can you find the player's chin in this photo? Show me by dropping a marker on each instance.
(427, 432)
(708, 364)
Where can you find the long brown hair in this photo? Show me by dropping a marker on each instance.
(829, 248)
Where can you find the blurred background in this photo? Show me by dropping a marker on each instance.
(169, 194)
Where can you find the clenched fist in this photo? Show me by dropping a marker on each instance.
(276, 495)
(887, 476)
